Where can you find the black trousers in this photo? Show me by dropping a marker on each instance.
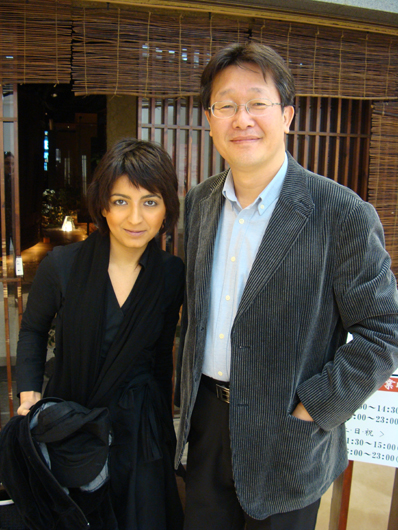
(211, 501)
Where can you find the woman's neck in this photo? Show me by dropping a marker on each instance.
(124, 257)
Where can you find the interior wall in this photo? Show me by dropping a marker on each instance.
(121, 118)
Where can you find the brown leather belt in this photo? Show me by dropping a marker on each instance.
(219, 388)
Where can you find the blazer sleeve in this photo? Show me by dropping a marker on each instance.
(366, 296)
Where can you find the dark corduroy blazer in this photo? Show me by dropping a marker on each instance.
(321, 271)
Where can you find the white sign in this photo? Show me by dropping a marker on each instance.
(372, 433)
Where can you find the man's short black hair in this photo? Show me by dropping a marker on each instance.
(243, 55)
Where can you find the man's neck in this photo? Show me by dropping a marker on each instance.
(249, 185)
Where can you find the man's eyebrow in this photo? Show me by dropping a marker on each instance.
(229, 90)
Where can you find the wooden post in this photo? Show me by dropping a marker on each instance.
(341, 499)
(393, 519)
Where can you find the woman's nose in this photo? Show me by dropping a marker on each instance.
(135, 215)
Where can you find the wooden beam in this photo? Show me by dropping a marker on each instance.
(252, 12)
(393, 519)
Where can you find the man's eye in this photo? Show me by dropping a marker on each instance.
(258, 104)
(225, 106)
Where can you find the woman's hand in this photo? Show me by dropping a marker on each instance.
(27, 400)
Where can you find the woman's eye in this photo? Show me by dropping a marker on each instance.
(151, 203)
(119, 202)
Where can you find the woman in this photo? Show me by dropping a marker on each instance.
(117, 299)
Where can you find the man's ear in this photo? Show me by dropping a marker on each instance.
(288, 115)
(207, 114)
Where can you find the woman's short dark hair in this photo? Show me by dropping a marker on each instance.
(147, 165)
(243, 55)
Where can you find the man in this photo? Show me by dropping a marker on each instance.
(281, 264)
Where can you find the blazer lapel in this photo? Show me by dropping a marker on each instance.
(209, 211)
(291, 214)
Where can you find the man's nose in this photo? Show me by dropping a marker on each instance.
(242, 118)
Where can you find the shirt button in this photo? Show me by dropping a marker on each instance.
(227, 297)
(241, 221)
(262, 206)
(221, 335)
(219, 373)
(233, 258)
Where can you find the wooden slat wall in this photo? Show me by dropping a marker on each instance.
(383, 173)
(330, 136)
(35, 41)
(180, 126)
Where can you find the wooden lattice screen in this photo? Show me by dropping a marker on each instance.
(383, 173)
(35, 41)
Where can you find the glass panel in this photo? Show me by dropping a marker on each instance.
(145, 134)
(8, 131)
(8, 101)
(159, 136)
(171, 145)
(183, 161)
(145, 111)
(171, 116)
(197, 112)
(183, 112)
(159, 112)
(195, 157)
(7, 232)
(207, 157)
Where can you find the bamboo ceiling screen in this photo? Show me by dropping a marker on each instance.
(106, 49)
(35, 41)
(125, 51)
(383, 173)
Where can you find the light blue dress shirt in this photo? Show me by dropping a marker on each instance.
(238, 238)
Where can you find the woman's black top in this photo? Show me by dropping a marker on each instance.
(142, 484)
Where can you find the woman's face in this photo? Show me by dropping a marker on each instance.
(134, 215)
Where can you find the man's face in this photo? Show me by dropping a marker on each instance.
(249, 143)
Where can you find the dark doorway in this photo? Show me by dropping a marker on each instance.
(61, 139)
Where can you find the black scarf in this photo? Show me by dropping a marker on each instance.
(79, 374)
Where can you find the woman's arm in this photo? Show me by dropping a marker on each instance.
(164, 347)
(44, 301)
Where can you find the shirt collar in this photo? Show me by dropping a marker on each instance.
(267, 197)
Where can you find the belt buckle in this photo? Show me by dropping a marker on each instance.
(222, 393)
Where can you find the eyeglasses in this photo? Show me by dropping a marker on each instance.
(227, 109)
